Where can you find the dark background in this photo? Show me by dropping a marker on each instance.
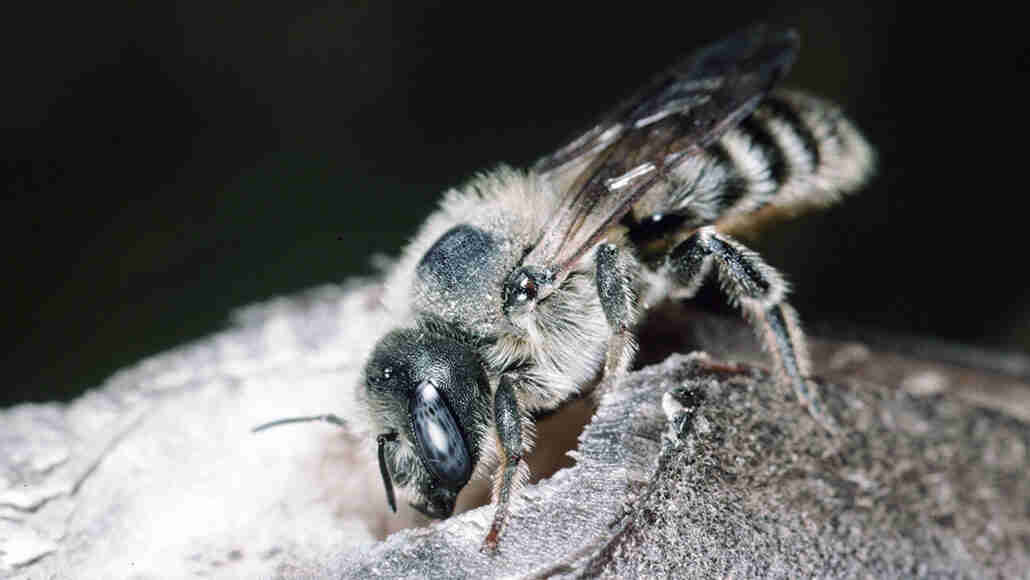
(165, 165)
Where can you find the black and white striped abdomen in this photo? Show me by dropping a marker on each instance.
(795, 151)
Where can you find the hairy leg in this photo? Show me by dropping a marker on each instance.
(615, 289)
(508, 420)
(760, 292)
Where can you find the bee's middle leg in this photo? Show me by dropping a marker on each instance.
(615, 289)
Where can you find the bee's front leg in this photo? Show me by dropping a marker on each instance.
(508, 422)
(615, 289)
(760, 291)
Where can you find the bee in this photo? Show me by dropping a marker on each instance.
(522, 290)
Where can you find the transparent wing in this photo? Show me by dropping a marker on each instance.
(679, 113)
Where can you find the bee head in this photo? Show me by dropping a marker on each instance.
(429, 392)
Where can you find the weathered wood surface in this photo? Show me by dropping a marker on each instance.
(692, 468)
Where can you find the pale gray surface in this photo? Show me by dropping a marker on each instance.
(155, 474)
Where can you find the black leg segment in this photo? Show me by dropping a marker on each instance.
(508, 423)
(759, 290)
(615, 289)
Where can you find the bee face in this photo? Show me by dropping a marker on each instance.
(430, 393)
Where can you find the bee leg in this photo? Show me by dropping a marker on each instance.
(615, 289)
(759, 290)
(508, 421)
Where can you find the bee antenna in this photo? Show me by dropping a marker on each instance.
(381, 441)
(329, 418)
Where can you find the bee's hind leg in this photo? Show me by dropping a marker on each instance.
(760, 291)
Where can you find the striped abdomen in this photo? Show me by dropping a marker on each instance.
(795, 152)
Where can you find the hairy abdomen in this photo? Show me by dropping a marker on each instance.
(794, 153)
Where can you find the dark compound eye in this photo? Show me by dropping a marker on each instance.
(440, 442)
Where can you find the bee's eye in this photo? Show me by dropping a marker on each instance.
(440, 442)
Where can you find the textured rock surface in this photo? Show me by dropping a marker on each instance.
(692, 468)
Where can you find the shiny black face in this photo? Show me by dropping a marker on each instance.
(431, 387)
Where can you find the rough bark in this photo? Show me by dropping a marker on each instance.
(691, 468)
